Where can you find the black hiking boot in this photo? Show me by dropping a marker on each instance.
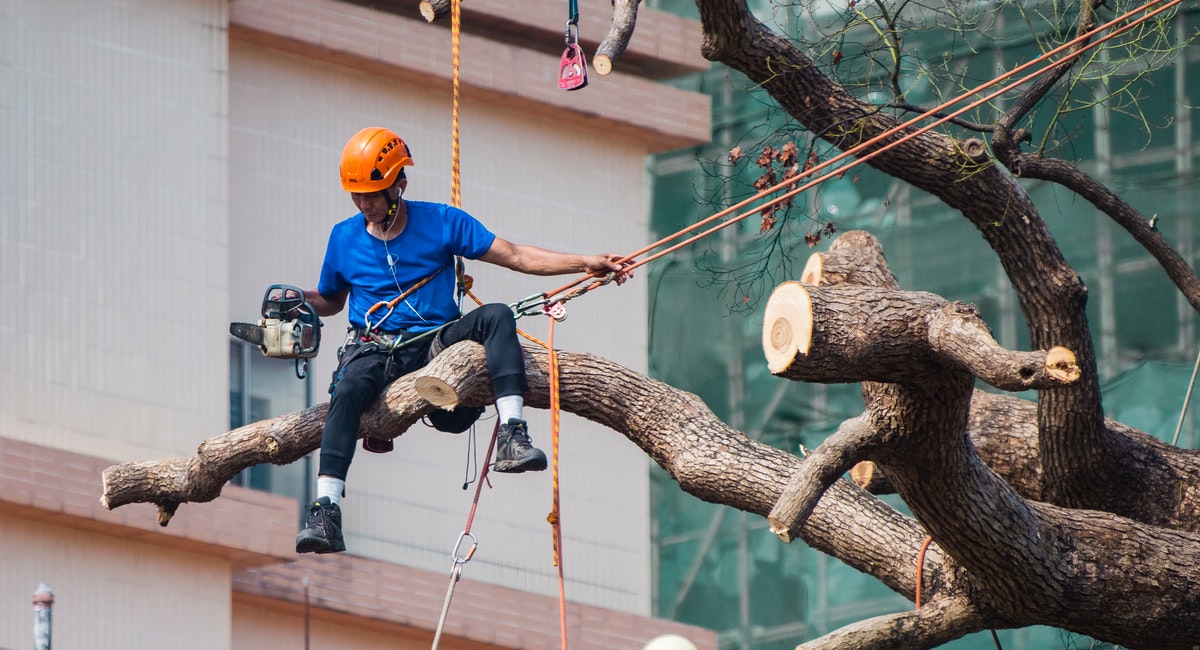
(515, 452)
(323, 531)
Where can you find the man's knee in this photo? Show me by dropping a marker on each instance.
(497, 317)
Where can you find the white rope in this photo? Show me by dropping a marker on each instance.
(455, 574)
(1186, 398)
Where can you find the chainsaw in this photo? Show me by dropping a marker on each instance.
(289, 327)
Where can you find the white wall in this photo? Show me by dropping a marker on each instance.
(530, 181)
(154, 178)
(110, 594)
(113, 226)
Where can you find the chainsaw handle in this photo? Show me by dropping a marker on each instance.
(282, 301)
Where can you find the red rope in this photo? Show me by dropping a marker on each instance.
(483, 477)
(921, 563)
(596, 281)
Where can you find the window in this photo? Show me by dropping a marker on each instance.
(261, 388)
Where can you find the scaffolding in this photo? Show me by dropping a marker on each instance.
(721, 568)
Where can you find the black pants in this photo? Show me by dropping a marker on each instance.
(364, 372)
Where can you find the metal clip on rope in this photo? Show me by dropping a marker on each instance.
(531, 306)
(455, 575)
(459, 561)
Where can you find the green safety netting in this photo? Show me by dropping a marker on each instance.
(723, 569)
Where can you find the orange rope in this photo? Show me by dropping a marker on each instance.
(456, 201)
(921, 563)
(455, 39)
(554, 518)
(867, 156)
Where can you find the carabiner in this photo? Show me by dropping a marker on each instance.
(367, 316)
(470, 551)
(530, 306)
(571, 33)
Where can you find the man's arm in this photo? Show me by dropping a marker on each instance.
(326, 305)
(539, 261)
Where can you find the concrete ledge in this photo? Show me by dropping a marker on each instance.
(383, 43)
(248, 527)
(406, 601)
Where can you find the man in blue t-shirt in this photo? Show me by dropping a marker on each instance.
(403, 254)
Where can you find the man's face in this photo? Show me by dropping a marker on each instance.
(374, 205)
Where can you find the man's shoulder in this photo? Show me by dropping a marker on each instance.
(428, 213)
(348, 222)
(348, 227)
(428, 207)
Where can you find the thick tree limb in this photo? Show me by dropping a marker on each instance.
(1082, 464)
(173, 481)
(707, 458)
(978, 519)
(815, 334)
(280, 441)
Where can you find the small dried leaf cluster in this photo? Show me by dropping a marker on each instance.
(814, 238)
(779, 166)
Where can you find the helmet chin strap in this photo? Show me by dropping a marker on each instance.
(393, 206)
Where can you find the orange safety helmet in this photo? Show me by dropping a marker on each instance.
(373, 159)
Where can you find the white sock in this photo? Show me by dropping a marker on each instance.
(510, 407)
(328, 486)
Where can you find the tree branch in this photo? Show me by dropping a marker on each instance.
(1126, 216)
(617, 38)
(817, 334)
(934, 624)
(837, 454)
(957, 332)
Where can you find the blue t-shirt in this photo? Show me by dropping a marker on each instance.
(434, 234)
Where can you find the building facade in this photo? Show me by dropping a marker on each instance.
(163, 163)
(724, 569)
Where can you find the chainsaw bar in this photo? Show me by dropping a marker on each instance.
(250, 332)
